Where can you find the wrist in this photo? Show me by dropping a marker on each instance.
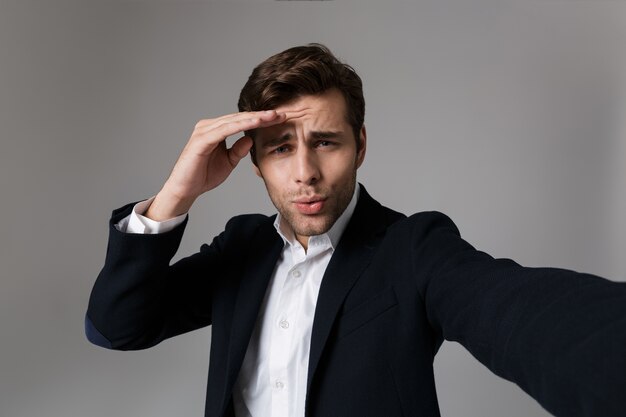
(167, 205)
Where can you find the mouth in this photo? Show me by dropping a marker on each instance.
(310, 205)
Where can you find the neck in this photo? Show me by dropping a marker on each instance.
(304, 241)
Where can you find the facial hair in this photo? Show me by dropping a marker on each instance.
(336, 203)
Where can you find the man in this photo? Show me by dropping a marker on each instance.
(338, 305)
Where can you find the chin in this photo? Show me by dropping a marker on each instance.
(304, 229)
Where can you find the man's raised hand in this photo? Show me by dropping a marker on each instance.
(206, 162)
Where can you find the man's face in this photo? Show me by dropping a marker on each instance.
(309, 162)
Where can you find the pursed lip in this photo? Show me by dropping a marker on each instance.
(309, 200)
(310, 206)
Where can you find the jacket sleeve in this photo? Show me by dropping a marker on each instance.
(560, 335)
(139, 299)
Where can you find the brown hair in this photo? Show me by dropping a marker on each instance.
(303, 70)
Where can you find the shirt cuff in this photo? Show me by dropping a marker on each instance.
(137, 223)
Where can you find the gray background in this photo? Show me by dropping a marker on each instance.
(507, 116)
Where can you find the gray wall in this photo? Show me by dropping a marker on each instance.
(508, 116)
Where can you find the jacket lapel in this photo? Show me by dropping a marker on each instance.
(350, 259)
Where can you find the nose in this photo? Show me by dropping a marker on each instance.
(306, 166)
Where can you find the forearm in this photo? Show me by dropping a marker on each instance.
(568, 348)
(139, 299)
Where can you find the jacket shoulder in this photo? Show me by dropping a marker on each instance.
(248, 223)
(241, 229)
(426, 223)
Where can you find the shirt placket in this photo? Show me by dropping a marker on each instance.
(284, 336)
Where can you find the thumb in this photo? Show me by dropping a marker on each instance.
(239, 149)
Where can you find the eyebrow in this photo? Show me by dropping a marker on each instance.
(329, 134)
(275, 141)
(318, 134)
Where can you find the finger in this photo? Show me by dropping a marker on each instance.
(216, 134)
(221, 131)
(231, 128)
(264, 115)
(278, 119)
(239, 149)
(295, 114)
(208, 122)
(267, 116)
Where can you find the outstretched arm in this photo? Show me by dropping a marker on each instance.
(560, 335)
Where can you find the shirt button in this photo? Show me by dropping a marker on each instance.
(296, 273)
(279, 385)
(284, 324)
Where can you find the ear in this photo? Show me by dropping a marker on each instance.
(360, 154)
(254, 160)
(257, 171)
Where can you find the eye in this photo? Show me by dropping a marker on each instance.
(280, 149)
(324, 143)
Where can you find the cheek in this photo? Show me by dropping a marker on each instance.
(274, 174)
(341, 167)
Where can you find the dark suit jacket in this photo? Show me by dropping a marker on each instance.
(394, 289)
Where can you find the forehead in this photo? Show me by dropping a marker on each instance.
(315, 112)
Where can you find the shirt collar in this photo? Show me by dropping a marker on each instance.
(332, 236)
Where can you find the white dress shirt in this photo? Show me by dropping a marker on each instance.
(273, 376)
